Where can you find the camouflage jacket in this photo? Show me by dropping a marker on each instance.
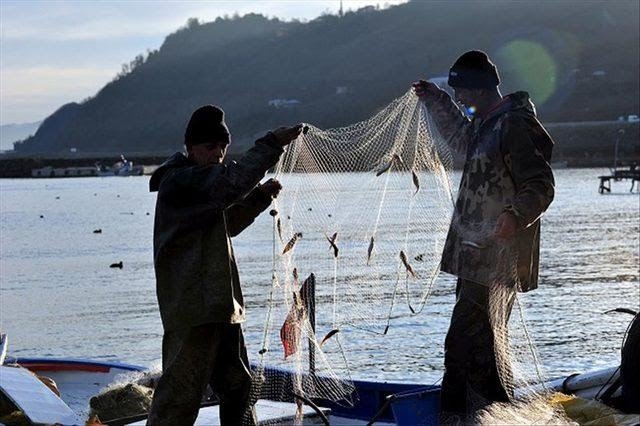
(197, 211)
(506, 169)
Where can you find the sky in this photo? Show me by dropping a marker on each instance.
(54, 52)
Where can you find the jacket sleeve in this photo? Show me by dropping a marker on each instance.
(524, 148)
(242, 213)
(453, 125)
(220, 185)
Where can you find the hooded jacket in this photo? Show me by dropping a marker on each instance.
(198, 209)
(506, 169)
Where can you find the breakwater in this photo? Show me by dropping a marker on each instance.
(22, 167)
(578, 144)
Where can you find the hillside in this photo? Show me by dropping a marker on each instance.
(578, 59)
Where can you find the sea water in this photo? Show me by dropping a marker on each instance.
(60, 298)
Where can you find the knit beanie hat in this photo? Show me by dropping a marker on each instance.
(473, 70)
(206, 125)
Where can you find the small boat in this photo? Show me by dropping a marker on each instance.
(123, 167)
(78, 380)
(59, 390)
(386, 403)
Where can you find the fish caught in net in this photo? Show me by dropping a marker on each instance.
(356, 245)
(358, 234)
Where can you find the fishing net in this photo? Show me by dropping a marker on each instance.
(356, 246)
(358, 234)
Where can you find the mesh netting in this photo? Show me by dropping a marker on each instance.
(361, 222)
(357, 241)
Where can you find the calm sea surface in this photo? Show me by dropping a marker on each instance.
(60, 298)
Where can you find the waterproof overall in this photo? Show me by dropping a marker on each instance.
(198, 210)
(507, 155)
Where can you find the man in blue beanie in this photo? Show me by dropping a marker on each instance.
(494, 238)
(201, 204)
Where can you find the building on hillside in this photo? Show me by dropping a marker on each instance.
(283, 103)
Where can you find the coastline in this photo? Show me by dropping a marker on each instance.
(578, 145)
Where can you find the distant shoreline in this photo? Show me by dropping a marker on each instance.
(578, 145)
(22, 168)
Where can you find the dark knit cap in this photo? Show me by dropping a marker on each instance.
(206, 125)
(473, 70)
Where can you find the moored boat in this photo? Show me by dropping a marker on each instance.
(385, 402)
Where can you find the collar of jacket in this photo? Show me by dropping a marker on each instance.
(176, 160)
(518, 102)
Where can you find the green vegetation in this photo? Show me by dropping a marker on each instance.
(342, 69)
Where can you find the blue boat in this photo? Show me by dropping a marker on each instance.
(385, 403)
(80, 379)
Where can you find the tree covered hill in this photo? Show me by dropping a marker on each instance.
(579, 60)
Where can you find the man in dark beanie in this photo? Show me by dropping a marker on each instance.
(493, 241)
(201, 204)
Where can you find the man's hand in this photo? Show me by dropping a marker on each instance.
(286, 135)
(426, 90)
(506, 226)
(271, 188)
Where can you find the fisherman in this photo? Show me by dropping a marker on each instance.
(201, 204)
(493, 241)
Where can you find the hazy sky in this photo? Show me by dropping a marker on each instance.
(54, 52)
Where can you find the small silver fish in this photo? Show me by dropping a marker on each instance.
(332, 242)
(369, 250)
(416, 181)
(292, 242)
(384, 169)
(403, 257)
(394, 158)
(279, 226)
(329, 335)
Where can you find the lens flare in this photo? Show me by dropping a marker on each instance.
(529, 66)
(471, 110)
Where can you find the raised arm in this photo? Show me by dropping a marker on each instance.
(220, 185)
(453, 125)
